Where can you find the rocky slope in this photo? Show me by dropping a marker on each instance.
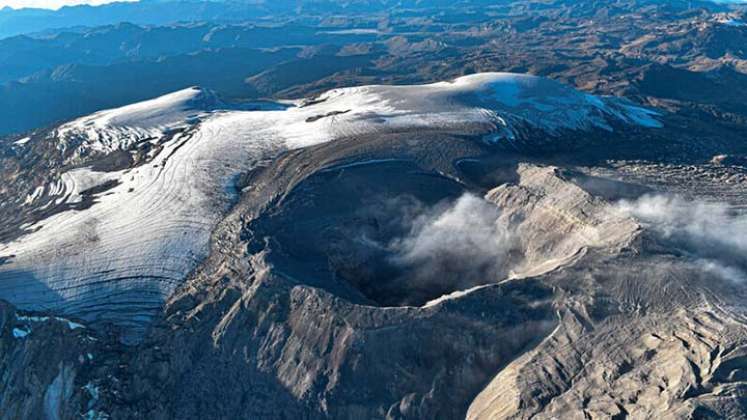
(121, 238)
(376, 252)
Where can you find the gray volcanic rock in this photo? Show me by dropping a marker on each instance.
(126, 210)
(41, 358)
(558, 220)
(636, 348)
(385, 252)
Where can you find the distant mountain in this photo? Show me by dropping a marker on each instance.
(161, 12)
(75, 73)
(147, 12)
(76, 89)
(295, 49)
(22, 56)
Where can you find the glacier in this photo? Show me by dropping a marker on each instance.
(150, 225)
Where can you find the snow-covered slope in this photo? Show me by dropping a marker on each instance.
(502, 103)
(118, 259)
(117, 129)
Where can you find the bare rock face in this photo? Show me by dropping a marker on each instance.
(558, 221)
(43, 359)
(623, 349)
(656, 365)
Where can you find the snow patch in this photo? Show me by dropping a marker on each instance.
(58, 393)
(728, 19)
(20, 333)
(70, 324)
(95, 415)
(93, 390)
(356, 31)
(454, 295)
(38, 191)
(22, 141)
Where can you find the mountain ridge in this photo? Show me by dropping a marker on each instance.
(187, 133)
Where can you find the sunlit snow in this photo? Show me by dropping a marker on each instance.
(118, 260)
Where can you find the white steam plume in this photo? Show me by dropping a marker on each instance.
(712, 232)
(463, 244)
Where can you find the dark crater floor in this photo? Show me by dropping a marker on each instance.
(336, 230)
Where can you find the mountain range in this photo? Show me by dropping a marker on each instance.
(523, 209)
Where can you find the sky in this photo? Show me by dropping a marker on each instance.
(50, 4)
